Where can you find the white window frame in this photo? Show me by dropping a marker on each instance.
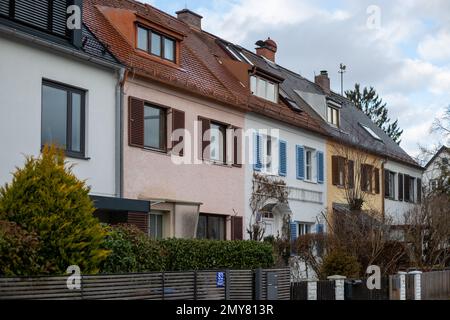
(312, 165)
(392, 185)
(333, 115)
(302, 227)
(271, 158)
(255, 82)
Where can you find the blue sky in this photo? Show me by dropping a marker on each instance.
(402, 48)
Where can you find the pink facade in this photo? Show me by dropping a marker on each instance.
(179, 192)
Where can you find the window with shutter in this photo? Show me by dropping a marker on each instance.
(283, 158)
(300, 157)
(320, 167)
(178, 126)
(257, 154)
(377, 180)
(351, 174)
(400, 187)
(155, 127)
(237, 228)
(47, 15)
(136, 122)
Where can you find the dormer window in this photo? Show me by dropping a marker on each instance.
(156, 44)
(263, 88)
(333, 115)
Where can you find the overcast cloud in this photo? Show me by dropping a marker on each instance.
(405, 54)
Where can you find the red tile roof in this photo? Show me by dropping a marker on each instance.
(200, 71)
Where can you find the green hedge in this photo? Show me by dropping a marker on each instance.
(132, 251)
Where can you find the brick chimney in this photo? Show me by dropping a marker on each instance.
(267, 49)
(323, 81)
(191, 18)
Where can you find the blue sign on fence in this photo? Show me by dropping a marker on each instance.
(220, 279)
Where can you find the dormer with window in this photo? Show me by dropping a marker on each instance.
(157, 42)
(333, 113)
(150, 39)
(264, 88)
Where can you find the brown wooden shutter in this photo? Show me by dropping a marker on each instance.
(377, 180)
(386, 183)
(205, 138)
(370, 177)
(400, 187)
(419, 190)
(363, 178)
(351, 174)
(406, 187)
(139, 219)
(236, 228)
(178, 122)
(237, 147)
(335, 170)
(136, 122)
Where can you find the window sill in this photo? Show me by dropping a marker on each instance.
(218, 164)
(162, 152)
(310, 181)
(78, 157)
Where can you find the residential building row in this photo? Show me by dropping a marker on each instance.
(168, 123)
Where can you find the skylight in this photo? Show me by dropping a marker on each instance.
(237, 54)
(371, 132)
(291, 102)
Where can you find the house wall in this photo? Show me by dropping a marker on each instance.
(337, 194)
(23, 68)
(394, 208)
(433, 171)
(303, 210)
(150, 175)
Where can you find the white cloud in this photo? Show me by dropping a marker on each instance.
(435, 47)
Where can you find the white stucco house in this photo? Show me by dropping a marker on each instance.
(63, 87)
(296, 157)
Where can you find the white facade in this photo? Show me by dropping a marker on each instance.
(24, 67)
(396, 208)
(434, 169)
(307, 199)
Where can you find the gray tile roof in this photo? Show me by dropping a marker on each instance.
(350, 129)
(92, 46)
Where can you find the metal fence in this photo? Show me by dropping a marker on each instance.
(358, 290)
(299, 290)
(435, 285)
(326, 290)
(194, 285)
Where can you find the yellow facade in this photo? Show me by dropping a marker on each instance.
(336, 194)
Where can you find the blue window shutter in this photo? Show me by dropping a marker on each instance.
(257, 154)
(293, 231)
(283, 159)
(300, 162)
(319, 228)
(320, 167)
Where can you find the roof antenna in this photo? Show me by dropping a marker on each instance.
(342, 70)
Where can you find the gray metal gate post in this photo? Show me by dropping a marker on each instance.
(258, 284)
(227, 284)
